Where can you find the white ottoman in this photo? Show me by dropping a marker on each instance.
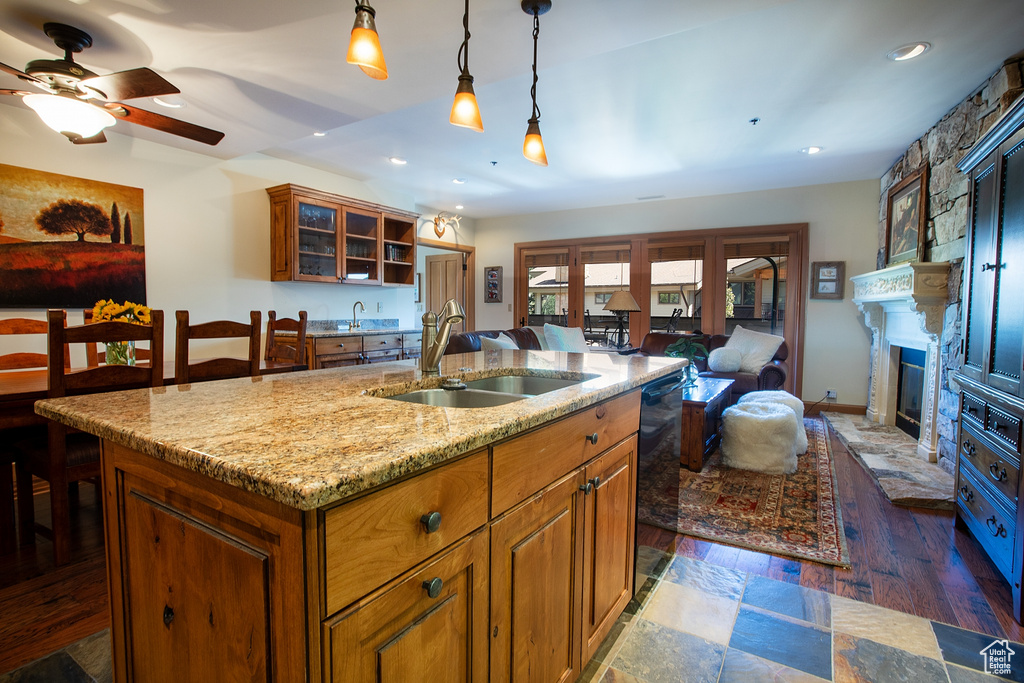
(760, 436)
(788, 399)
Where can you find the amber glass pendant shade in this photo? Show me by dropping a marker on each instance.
(364, 47)
(533, 145)
(465, 110)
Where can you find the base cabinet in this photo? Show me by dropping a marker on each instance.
(429, 625)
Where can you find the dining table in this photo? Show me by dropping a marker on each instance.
(20, 389)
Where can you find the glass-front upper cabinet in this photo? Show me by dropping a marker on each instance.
(362, 247)
(317, 241)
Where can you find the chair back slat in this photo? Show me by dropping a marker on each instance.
(215, 368)
(288, 347)
(26, 360)
(65, 382)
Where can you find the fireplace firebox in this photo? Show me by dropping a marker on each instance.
(910, 391)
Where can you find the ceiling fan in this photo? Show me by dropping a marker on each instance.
(80, 103)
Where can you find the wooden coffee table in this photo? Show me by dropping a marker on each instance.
(702, 413)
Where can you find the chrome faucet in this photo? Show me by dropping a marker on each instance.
(354, 325)
(435, 340)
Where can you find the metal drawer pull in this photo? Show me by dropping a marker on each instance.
(592, 438)
(968, 448)
(992, 266)
(1000, 531)
(994, 472)
(434, 586)
(966, 494)
(432, 521)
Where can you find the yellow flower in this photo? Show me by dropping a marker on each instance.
(106, 310)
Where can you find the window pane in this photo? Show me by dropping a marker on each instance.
(677, 275)
(756, 293)
(605, 271)
(547, 285)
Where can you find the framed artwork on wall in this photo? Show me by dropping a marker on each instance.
(492, 284)
(905, 219)
(68, 242)
(827, 279)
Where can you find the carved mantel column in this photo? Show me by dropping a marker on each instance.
(903, 305)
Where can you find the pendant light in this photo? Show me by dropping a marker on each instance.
(364, 46)
(533, 145)
(465, 110)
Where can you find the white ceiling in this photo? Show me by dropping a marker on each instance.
(639, 98)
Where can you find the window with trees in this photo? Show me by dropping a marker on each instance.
(668, 297)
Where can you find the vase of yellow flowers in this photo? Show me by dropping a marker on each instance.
(120, 353)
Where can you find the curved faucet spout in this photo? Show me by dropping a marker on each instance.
(354, 325)
(435, 339)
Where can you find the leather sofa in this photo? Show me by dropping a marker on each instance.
(772, 376)
(469, 342)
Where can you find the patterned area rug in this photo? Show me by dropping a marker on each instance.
(795, 515)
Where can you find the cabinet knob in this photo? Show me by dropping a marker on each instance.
(587, 488)
(434, 586)
(168, 615)
(592, 438)
(431, 521)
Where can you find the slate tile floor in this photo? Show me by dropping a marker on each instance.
(695, 622)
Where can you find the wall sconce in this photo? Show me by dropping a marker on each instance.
(443, 220)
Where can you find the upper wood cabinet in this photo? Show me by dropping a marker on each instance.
(320, 237)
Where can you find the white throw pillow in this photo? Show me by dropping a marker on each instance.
(542, 341)
(502, 341)
(568, 339)
(725, 360)
(756, 348)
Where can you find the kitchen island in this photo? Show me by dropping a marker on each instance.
(308, 527)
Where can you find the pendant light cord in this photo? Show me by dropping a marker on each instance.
(463, 58)
(533, 88)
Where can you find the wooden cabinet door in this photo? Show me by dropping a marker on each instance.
(535, 587)
(979, 276)
(1007, 360)
(401, 633)
(608, 530)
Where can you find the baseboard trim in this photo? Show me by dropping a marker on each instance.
(823, 407)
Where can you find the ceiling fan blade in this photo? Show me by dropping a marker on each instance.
(14, 92)
(20, 74)
(165, 123)
(128, 85)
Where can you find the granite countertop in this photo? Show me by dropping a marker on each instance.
(360, 331)
(310, 438)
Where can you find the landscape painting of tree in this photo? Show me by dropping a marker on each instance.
(68, 242)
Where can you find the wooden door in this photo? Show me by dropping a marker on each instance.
(608, 531)
(445, 280)
(535, 587)
(401, 633)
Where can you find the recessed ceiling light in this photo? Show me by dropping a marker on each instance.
(398, 161)
(458, 207)
(319, 134)
(909, 51)
(459, 181)
(813, 149)
(170, 101)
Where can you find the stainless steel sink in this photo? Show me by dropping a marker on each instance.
(531, 385)
(463, 398)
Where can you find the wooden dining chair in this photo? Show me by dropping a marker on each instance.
(215, 368)
(65, 455)
(97, 353)
(286, 348)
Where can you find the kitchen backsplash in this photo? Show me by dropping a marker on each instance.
(364, 323)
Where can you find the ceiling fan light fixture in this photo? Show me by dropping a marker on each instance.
(533, 145)
(66, 114)
(364, 46)
(465, 110)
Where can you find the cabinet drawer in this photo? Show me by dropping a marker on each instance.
(373, 539)
(335, 345)
(973, 409)
(1004, 427)
(382, 356)
(1000, 471)
(412, 342)
(992, 526)
(381, 342)
(527, 463)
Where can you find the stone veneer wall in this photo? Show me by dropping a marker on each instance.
(948, 192)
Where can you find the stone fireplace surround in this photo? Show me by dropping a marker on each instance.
(904, 305)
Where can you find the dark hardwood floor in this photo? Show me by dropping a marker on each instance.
(912, 560)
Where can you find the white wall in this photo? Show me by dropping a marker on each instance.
(843, 225)
(207, 224)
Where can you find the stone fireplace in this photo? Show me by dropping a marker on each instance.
(903, 305)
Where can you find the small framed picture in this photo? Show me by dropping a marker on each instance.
(493, 287)
(827, 279)
(905, 219)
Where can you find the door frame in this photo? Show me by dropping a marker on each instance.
(469, 282)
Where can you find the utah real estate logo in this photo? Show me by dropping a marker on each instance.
(997, 658)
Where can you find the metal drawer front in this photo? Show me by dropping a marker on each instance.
(992, 526)
(996, 468)
(973, 408)
(1004, 427)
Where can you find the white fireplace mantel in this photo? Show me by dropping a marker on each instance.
(904, 305)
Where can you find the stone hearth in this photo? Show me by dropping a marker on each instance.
(903, 305)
